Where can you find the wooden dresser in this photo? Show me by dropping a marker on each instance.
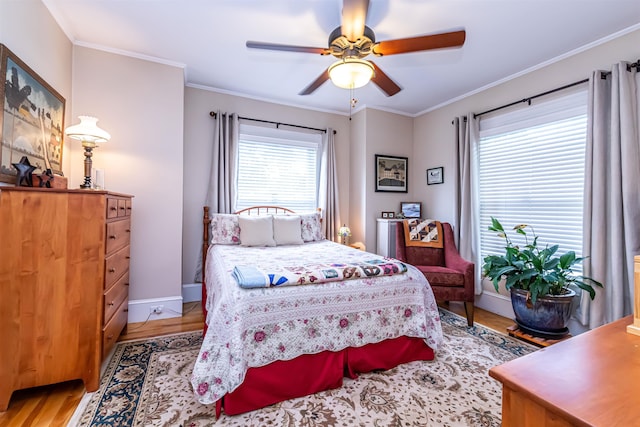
(64, 277)
(588, 380)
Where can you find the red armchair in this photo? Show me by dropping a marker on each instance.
(450, 276)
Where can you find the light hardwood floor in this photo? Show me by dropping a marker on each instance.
(54, 405)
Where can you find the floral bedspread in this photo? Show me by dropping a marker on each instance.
(254, 327)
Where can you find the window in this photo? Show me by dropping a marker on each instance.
(531, 171)
(278, 167)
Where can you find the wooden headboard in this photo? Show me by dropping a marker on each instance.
(253, 210)
(264, 210)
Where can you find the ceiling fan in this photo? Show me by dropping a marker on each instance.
(353, 41)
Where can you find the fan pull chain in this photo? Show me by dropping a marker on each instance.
(352, 101)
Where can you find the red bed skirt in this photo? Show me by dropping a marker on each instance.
(312, 373)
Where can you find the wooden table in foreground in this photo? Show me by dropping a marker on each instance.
(592, 379)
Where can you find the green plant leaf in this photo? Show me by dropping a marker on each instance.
(495, 225)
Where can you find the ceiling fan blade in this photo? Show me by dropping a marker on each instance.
(288, 48)
(415, 44)
(354, 16)
(316, 83)
(384, 82)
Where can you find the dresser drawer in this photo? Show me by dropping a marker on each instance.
(122, 207)
(118, 234)
(114, 297)
(112, 208)
(115, 266)
(112, 330)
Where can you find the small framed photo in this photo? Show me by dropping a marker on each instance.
(392, 215)
(411, 209)
(385, 215)
(435, 175)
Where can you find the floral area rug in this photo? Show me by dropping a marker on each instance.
(146, 383)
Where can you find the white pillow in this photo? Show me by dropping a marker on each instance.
(287, 230)
(256, 230)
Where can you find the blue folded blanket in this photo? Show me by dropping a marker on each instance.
(249, 277)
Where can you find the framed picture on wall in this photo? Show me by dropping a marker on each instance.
(391, 173)
(435, 175)
(32, 119)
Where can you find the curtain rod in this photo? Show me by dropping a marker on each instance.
(635, 65)
(213, 114)
(528, 100)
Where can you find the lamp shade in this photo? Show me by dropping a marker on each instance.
(351, 73)
(344, 231)
(87, 131)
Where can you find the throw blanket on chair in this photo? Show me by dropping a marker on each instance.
(426, 232)
(249, 276)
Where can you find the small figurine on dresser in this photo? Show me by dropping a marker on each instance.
(25, 172)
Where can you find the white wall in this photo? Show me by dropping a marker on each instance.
(357, 221)
(434, 136)
(30, 32)
(388, 134)
(197, 154)
(434, 142)
(141, 104)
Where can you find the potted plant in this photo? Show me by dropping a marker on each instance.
(538, 280)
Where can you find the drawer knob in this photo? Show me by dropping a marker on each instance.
(111, 304)
(126, 284)
(113, 208)
(126, 310)
(128, 231)
(113, 236)
(128, 257)
(109, 337)
(112, 270)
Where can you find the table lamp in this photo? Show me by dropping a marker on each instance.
(344, 233)
(89, 134)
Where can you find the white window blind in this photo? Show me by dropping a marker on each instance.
(531, 171)
(278, 167)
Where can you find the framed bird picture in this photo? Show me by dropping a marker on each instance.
(32, 120)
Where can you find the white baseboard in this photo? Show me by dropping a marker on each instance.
(191, 292)
(495, 303)
(141, 310)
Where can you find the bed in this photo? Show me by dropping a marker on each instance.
(286, 338)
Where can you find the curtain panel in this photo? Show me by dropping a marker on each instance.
(221, 190)
(329, 197)
(466, 229)
(611, 198)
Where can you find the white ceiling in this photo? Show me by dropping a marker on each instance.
(504, 38)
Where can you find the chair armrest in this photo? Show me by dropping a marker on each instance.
(452, 258)
(401, 254)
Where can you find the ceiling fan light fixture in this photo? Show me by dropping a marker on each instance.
(351, 73)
